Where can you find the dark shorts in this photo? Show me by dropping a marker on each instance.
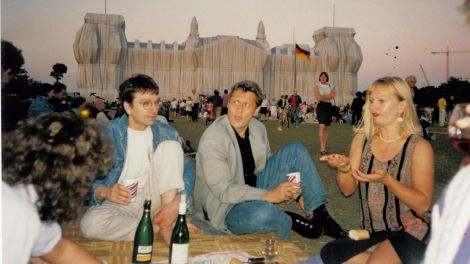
(324, 113)
(407, 247)
(263, 110)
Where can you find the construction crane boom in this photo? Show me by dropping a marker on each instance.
(425, 76)
(447, 52)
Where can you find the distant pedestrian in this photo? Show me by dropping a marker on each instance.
(225, 99)
(325, 93)
(442, 104)
(356, 108)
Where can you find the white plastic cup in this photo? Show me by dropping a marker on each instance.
(132, 185)
(293, 177)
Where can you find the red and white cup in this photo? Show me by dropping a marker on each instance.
(132, 185)
(293, 177)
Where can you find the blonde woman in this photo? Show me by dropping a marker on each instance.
(392, 168)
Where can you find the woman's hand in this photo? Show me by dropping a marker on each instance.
(376, 176)
(337, 161)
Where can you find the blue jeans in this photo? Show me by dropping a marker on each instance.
(263, 217)
(294, 114)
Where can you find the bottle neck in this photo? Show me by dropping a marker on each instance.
(182, 209)
(147, 205)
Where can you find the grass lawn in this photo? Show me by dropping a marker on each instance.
(344, 210)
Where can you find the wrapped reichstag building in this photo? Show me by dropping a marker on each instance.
(106, 58)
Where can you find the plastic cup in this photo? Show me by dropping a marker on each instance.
(132, 185)
(293, 177)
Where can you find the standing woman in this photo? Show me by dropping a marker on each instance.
(392, 168)
(325, 94)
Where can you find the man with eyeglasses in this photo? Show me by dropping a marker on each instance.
(147, 151)
(239, 181)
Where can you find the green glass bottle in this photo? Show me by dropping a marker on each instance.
(179, 246)
(143, 240)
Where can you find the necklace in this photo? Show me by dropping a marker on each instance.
(388, 140)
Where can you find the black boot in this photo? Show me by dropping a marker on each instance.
(304, 227)
(322, 218)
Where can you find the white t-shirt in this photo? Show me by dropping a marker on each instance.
(139, 151)
(102, 118)
(23, 233)
(325, 89)
(174, 104)
(189, 106)
(138, 166)
(264, 103)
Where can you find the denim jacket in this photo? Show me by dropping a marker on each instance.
(39, 106)
(117, 132)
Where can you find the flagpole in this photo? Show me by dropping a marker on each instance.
(295, 60)
(334, 9)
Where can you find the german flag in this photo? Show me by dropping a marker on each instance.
(301, 53)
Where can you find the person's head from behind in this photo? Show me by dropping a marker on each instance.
(411, 81)
(216, 93)
(60, 91)
(323, 78)
(389, 103)
(358, 94)
(60, 154)
(12, 60)
(46, 90)
(100, 104)
(139, 96)
(78, 102)
(245, 99)
(225, 91)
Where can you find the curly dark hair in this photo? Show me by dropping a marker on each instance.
(60, 155)
(11, 57)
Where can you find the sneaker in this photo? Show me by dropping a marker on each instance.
(279, 128)
(304, 227)
(323, 152)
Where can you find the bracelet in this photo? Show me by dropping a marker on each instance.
(345, 171)
(298, 198)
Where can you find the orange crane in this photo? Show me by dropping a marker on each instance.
(447, 52)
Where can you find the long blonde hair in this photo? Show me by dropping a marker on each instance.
(401, 90)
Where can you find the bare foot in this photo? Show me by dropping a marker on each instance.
(192, 228)
(164, 235)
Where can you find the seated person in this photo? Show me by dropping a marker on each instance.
(49, 163)
(239, 181)
(41, 104)
(450, 233)
(147, 151)
(392, 167)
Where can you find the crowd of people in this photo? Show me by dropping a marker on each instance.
(237, 181)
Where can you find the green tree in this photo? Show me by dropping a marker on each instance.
(58, 71)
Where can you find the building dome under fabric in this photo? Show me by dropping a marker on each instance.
(105, 59)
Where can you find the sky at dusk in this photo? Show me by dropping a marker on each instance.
(45, 30)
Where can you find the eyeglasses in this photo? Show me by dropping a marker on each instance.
(148, 104)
